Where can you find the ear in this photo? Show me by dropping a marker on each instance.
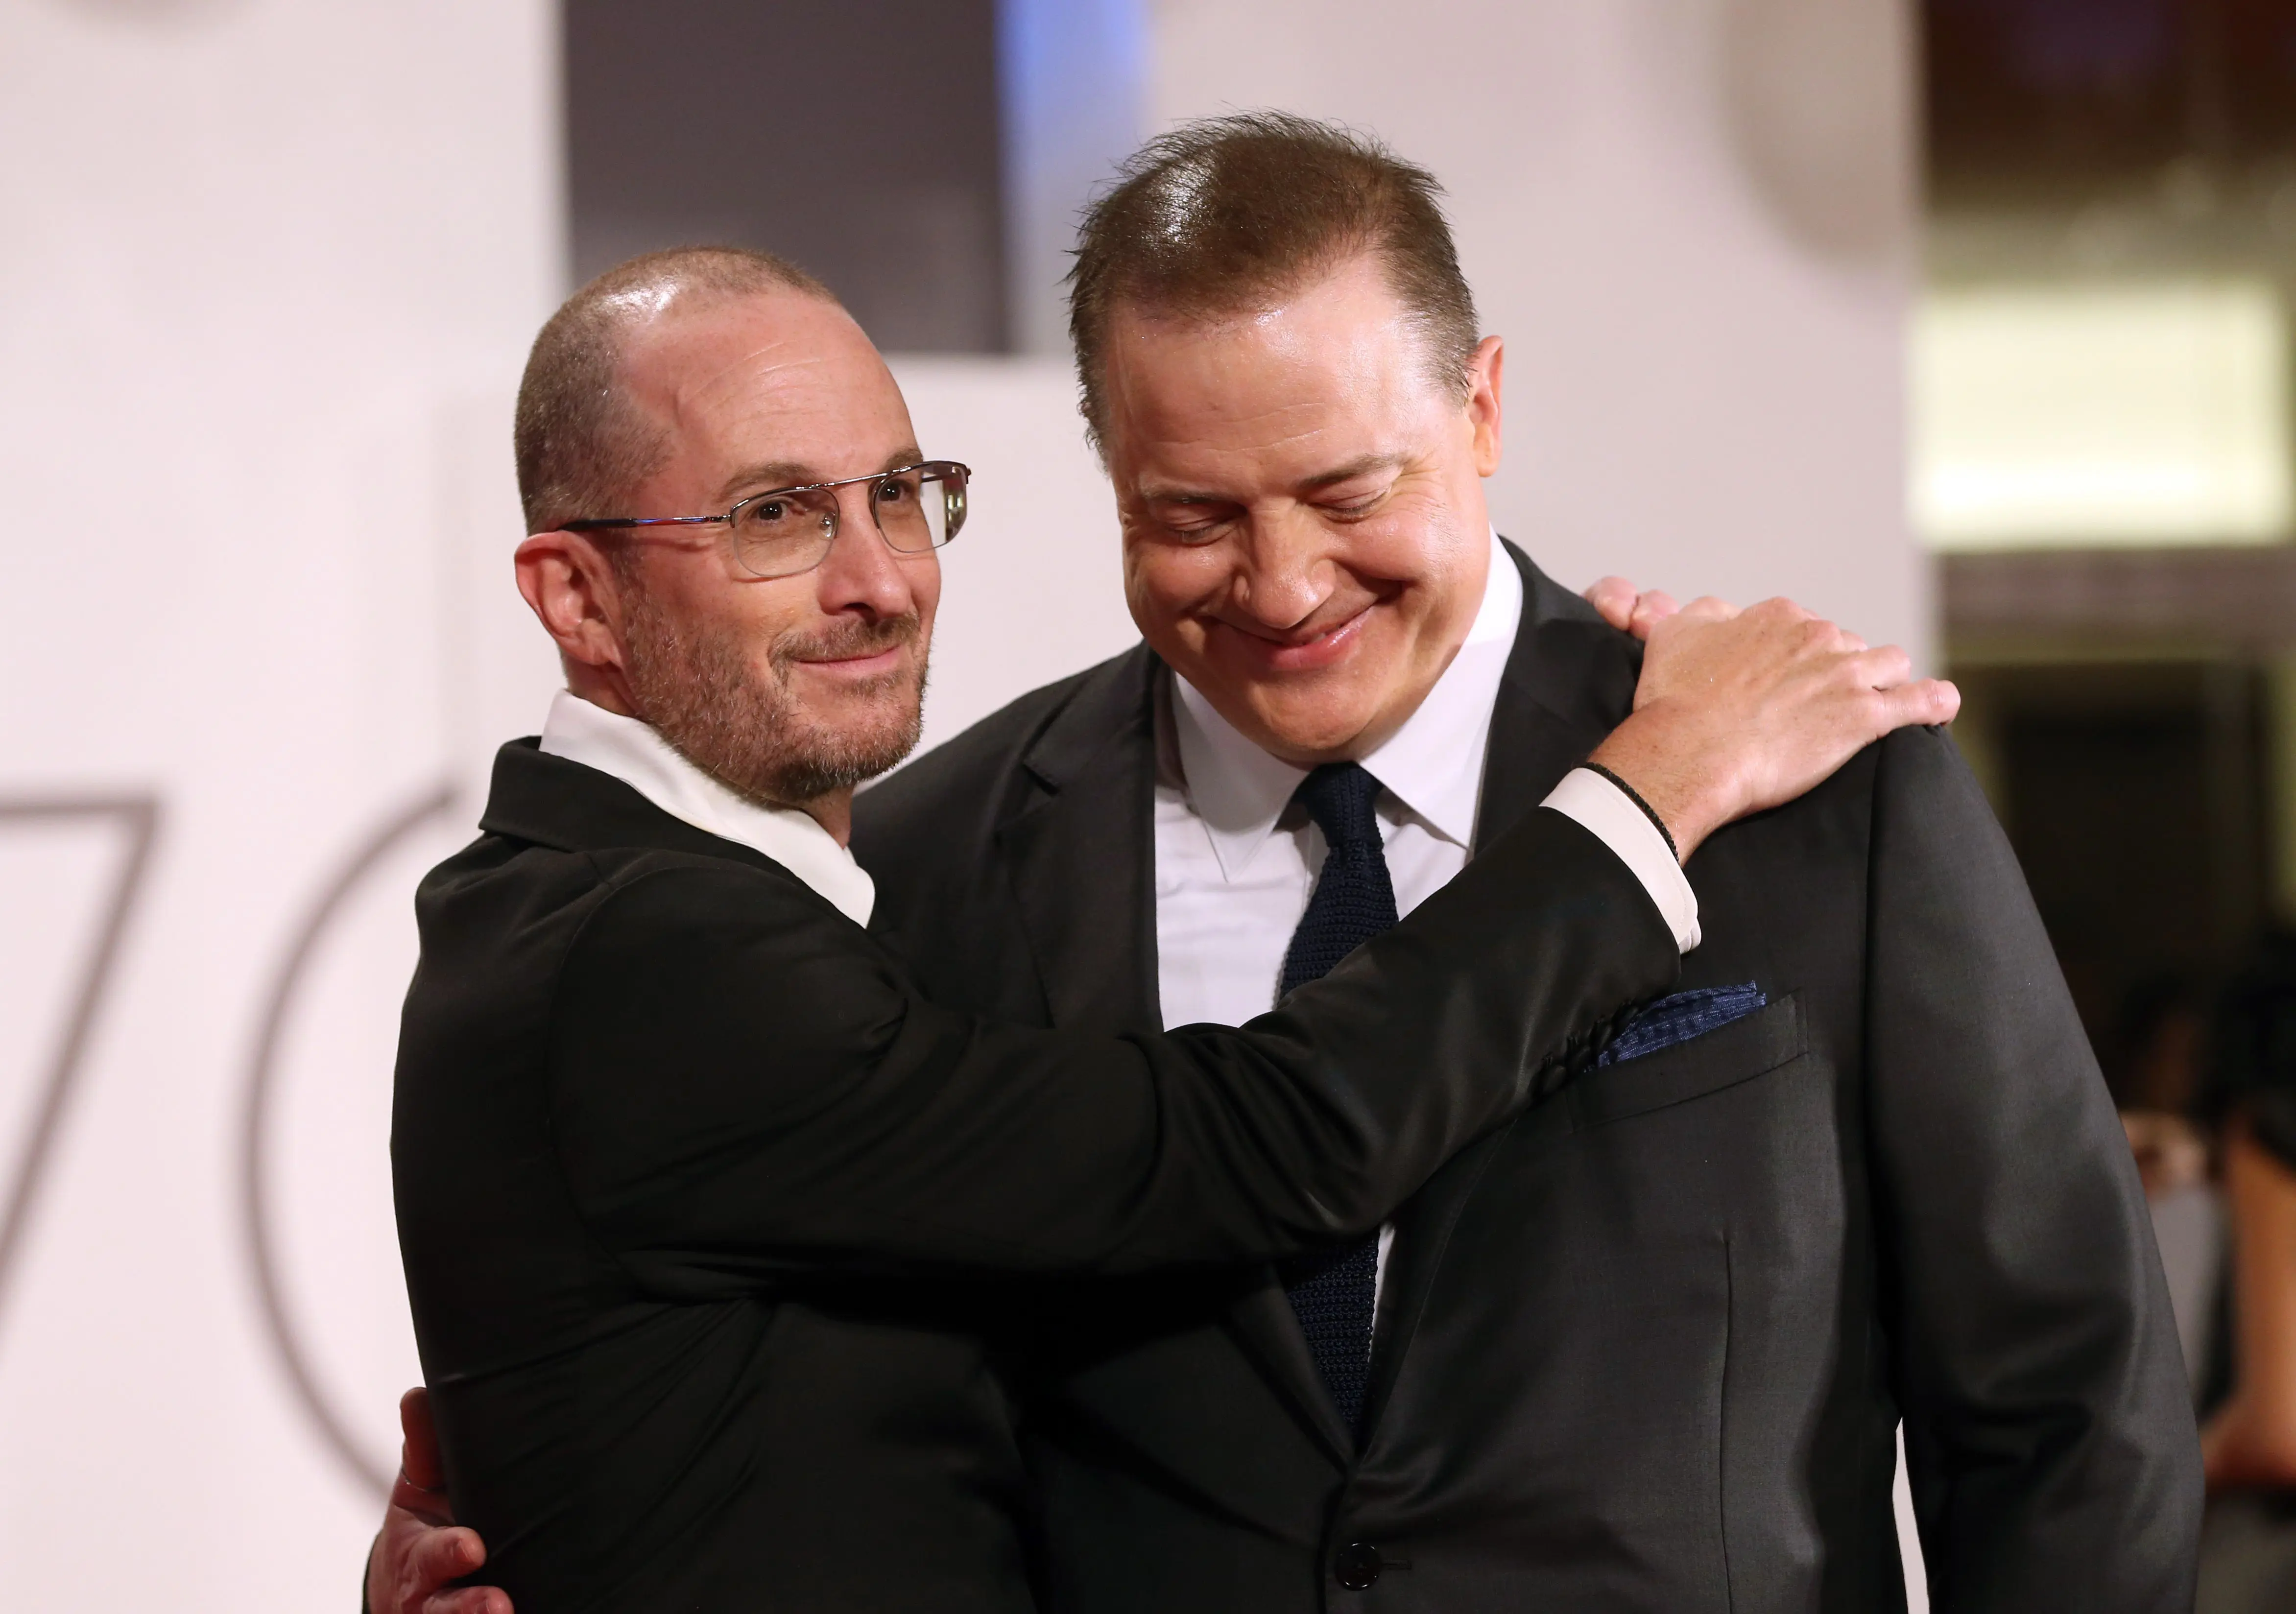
(574, 593)
(1483, 374)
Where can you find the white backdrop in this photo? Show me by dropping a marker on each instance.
(271, 268)
(261, 255)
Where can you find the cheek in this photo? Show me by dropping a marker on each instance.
(924, 586)
(693, 590)
(757, 613)
(1166, 585)
(1427, 554)
(1423, 539)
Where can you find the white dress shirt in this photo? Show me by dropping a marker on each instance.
(636, 754)
(1234, 868)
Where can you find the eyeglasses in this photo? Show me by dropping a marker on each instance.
(791, 530)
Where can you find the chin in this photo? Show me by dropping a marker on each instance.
(890, 723)
(1313, 728)
(832, 754)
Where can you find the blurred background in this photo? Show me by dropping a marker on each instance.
(1966, 321)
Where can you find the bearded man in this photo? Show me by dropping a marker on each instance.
(708, 1212)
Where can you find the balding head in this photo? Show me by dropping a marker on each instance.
(582, 441)
(662, 395)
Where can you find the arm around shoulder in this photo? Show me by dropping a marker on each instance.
(742, 1087)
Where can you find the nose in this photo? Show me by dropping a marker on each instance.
(1281, 578)
(861, 574)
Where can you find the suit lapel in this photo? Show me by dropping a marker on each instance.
(1553, 705)
(1566, 686)
(1085, 824)
(1079, 847)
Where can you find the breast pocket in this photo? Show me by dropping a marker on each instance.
(1749, 1046)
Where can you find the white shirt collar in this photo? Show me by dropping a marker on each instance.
(636, 754)
(1433, 764)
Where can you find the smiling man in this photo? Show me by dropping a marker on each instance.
(1649, 1346)
(714, 1224)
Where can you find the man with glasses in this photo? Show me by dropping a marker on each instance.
(709, 1216)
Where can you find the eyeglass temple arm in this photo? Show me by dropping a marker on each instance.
(642, 522)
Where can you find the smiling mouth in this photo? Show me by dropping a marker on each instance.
(1305, 655)
(872, 662)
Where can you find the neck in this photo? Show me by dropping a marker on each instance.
(833, 812)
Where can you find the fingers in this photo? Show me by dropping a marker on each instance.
(1706, 608)
(1886, 669)
(418, 1452)
(439, 1556)
(1925, 701)
(1651, 610)
(413, 1569)
(430, 1564)
(1928, 701)
(1615, 598)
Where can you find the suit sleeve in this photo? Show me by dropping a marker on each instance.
(744, 1086)
(2048, 1427)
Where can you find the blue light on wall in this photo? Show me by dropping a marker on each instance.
(1073, 81)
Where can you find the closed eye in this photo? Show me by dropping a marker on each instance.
(1193, 522)
(1354, 506)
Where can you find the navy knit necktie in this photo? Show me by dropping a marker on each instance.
(1332, 1291)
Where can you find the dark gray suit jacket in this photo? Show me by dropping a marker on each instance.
(1646, 1348)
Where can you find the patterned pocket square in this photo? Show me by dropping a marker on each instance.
(1676, 1019)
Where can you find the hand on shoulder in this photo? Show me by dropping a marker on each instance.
(1737, 711)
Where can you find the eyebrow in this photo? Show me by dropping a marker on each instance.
(766, 476)
(1362, 465)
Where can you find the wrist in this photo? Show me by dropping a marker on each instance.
(1625, 788)
(1691, 795)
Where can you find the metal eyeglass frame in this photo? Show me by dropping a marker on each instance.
(940, 472)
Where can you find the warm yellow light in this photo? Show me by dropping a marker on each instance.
(2088, 415)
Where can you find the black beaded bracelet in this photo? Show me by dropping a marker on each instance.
(1636, 797)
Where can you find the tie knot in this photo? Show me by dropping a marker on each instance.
(1338, 797)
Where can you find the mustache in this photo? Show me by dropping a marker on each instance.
(845, 639)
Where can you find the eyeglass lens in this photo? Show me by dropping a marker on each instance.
(786, 533)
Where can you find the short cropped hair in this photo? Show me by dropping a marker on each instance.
(581, 443)
(1214, 214)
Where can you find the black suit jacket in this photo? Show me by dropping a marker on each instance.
(705, 1211)
(1646, 1349)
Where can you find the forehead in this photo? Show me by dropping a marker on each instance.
(781, 376)
(1329, 371)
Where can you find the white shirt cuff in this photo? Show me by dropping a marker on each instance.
(1607, 813)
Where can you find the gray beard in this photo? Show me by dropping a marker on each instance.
(746, 730)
